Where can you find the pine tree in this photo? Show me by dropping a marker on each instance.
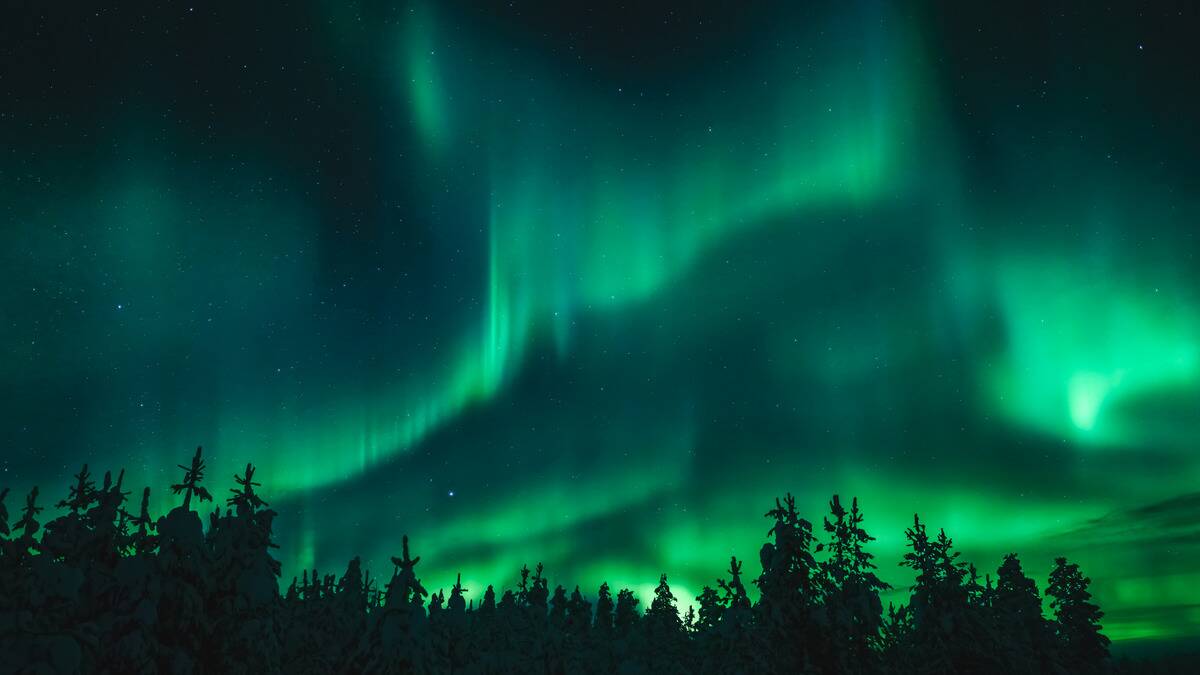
(398, 640)
(626, 616)
(538, 592)
(457, 603)
(82, 494)
(558, 608)
(455, 628)
(977, 594)
(603, 623)
(555, 640)
(736, 645)
(435, 603)
(184, 561)
(662, 612)
(1022, 633)
(68, 537)
(143, 541)
(191, 481)
(488, 606)
(352, 588)
(245, 579)
(105, 521)
(947, 634)
(28, 524)
(579, 613)
(708, 617)
(627, 647)
(1077, 619)
(245, 500)
(735, 591)
(895, 640)
(788, 588)
(404, 588)
(510, 638)
(577, 653)
(665, 647)
(854, 612)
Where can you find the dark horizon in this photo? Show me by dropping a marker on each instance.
(103, 587)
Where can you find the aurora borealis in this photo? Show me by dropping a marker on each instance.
(591, 286)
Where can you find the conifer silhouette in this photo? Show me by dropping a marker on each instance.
(579, 613)
(850, 591)
(604, 610)
(245, 500)
(947, 633)
(665, 647)
(626, 616)
(788, 587)
(736, 641)
(708, 617)
(1077, 619)
(103, 590)
(143, 542)
(192, 475)
(28, 524)
(81, 494)
(404, 588)
(1022, 633)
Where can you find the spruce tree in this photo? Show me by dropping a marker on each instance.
(788, 588)
(245, 501)
(708, 616)
(853, 610)
(663, 632)
(579, 613)
(184, 559)
(626, 616)
(603, 623)
(81, 494)
(192, 475)
(662, 612)
(143, 542)
(736, 642)
(578, 654)
(600, 645)
(1077, 619)
(558, 607)
(1022, 634)
(947, 634)
(28, 523)
(398, 640)
(455, 628)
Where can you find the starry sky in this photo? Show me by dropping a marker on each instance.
(590, 285)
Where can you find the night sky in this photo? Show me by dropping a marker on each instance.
(591, 286)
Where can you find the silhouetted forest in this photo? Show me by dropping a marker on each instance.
(109, 588)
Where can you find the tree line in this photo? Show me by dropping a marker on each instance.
(105, 589)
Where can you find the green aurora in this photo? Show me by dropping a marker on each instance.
(440, 270)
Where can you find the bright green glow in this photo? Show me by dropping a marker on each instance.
(1081, 347)
(1085, 395)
